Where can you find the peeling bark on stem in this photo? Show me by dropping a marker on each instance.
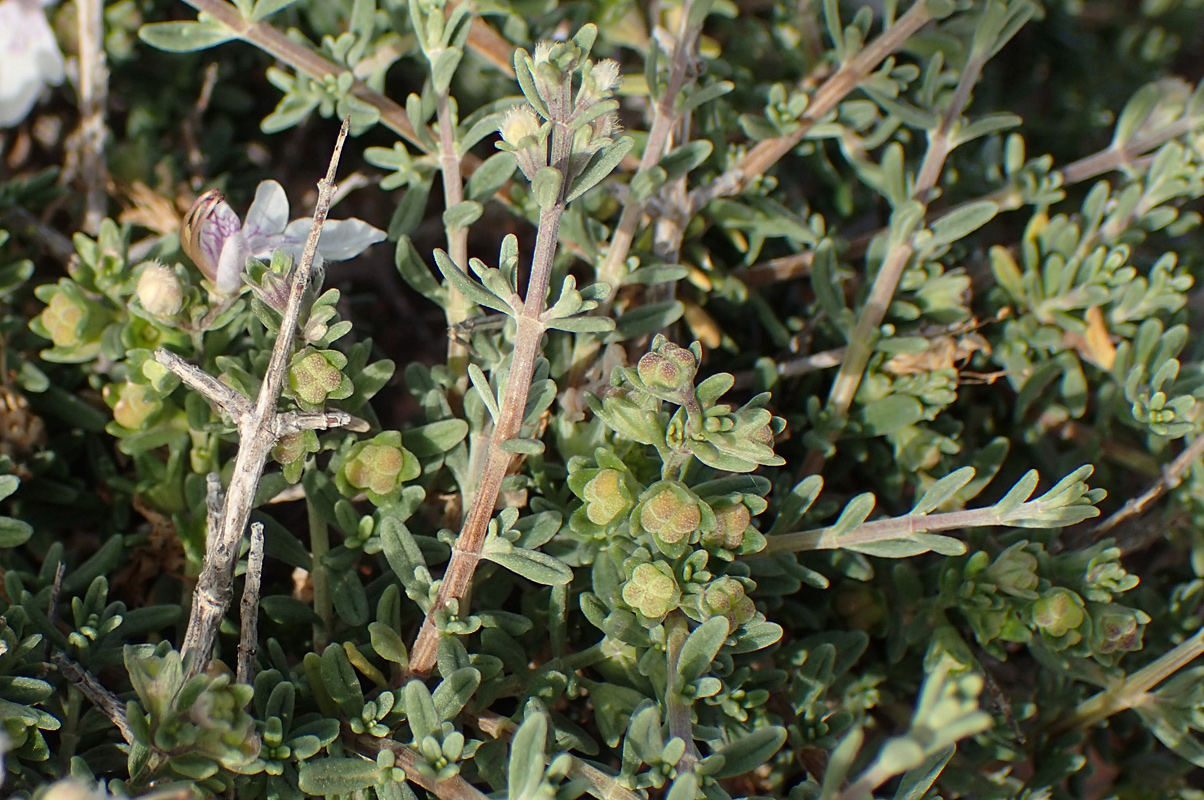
(259, 426)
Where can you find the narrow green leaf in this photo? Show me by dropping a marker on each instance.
(752, 751)
(961, 222)
(454, 692)
(528, 758)
(266, 8)
(699, 651)
(436, 437)
(942, 490)
(336, 776)
(462, 214)
(491, 176)
(186, 37)
(533, 565)
(916, 782)
(599, 166)
(420, 710)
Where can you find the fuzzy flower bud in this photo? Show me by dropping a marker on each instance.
(134, 406)
(730, 524)
(1058, 612)
(159, 290)
(668, 371)
(670, 513)
(1116, 628)
(606, 497)
(521, 135)
(725, 597)
(652, 590)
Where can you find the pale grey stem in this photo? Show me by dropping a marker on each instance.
(881, 530)
(297, 421)
(1171, 475)
(228, 400)
(93, 94)
(248, 644)
(214, 499)
(96, 693)
(52, 605)
(258, 428)
(1133, 689)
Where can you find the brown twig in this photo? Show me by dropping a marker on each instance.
(96, 693)
(93, 94)
(248, 643)
(850, 75)
(259, 427)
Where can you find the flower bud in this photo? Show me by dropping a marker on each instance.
(376, 467)
(159, 290)
(668, 371)
(1014, 572)
(670, 513)
(730, 524)
(135, 405)
(725, 597)
(1116, 628)
(63, 319)
(652, 590)
(606, 497)
(314, 377)
(1058, 612)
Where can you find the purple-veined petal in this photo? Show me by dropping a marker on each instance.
(209, 223)
(341, 239)
(235, 252)
(268, 213)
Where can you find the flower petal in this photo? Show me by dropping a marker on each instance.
(235, 252)
(268, 213)
(341, 239)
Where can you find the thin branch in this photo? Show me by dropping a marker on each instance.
(228, 400)
(306, 61)
(258, 429)
(1171, 475)
(1005, 198)
(1133, 690)
(97, 694)
(881, 530)
(405, 757)
(93, 94)
(850, 75)
(248, 644)
(529, 331)
(680, 715)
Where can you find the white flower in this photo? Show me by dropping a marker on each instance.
(29, 58)
(220, 244)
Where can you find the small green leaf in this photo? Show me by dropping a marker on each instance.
(387, 643)
(266, 8)
(420, 711)
(600, 165)
(186, 37)
(491, 176)
(533, 565)
(699, 651)
(961, 222)
(545, 186)
(528, 758)
(435, 438)
(454, 692)
(336, 776)
(752, 751)
(647, 319)
(462, 214)
(916, 782)
(942, 490)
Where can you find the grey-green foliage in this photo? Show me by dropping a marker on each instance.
(663, 603)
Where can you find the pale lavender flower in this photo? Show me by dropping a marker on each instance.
(220, 244)
(29, 58)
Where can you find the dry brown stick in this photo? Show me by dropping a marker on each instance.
(248, 643)
(259, 426)
(99, 696)
(408, 759)
(768, 152)
(93, 94)
(1171, 475)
